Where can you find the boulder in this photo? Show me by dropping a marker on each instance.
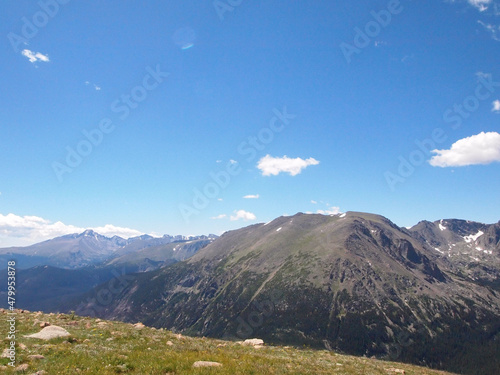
(206, 364)
(139, 325)
(253, 342)
(50, 332)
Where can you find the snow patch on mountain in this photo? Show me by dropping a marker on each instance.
(473, 237)
(441, 226)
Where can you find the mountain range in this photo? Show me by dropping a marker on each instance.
(74, 251)
(354, 282)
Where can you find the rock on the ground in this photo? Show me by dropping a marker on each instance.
(206, 364)
(253, 342)
(50, 332)
(139, 325)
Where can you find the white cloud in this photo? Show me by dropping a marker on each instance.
(243, 215)
(272, 166)
(26, 230)
(329, 211)
(493, 29)
(109, 230)
(97, 88)
(219, 217)
(481, 5)
(252, 196)
(35, 56)
(314, 202)
(483, 148)
(496, 106)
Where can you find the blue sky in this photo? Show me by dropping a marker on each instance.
(292, 106)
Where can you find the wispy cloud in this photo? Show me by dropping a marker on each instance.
(494, 30)
(272, 166)
(34, 57)
(243, 215)
(481, 5)
(252, 196)
(314, 202)
(97, 88)
(484, 75)
(483, 148)
(25, 230)
(496, 106)
(219, 217)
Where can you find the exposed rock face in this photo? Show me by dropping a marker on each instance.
(470, 250)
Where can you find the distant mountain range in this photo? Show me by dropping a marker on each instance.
(85, 249)
(65, 267)
(354, 282)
